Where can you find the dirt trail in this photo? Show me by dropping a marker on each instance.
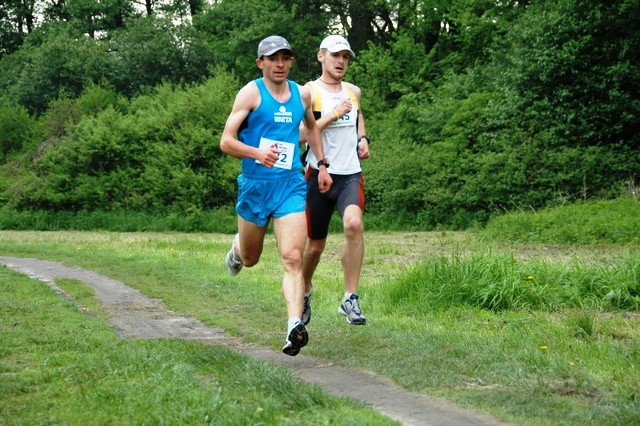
(133, 315)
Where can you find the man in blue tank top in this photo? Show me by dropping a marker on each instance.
(263, 130)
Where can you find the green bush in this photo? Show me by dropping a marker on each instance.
(159, 156)
(98, 97)
(17, 130)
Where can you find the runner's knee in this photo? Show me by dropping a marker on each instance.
(353, 226)
(292, 259)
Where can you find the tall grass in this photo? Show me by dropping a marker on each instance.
(608, 221)
(613, 221)
(502, 282)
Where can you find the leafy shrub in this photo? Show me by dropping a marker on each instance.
(17, 128)
(160, 156)
(98, 97)
(61, 114)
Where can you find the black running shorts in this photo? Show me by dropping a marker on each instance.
(345, 191)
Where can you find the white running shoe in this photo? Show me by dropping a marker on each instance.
(351, 309)
(234, 266)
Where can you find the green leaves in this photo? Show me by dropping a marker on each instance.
(480, 106)
(16, 129)
(536, 114)
(159, 155)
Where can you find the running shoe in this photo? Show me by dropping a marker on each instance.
(306, 312)
(351, 309)
(233, 264)
(297, 338)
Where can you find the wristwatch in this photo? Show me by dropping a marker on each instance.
(323, 162)
(364, 137)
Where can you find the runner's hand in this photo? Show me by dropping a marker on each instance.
(324, 179)
(363, 149)
(268, 157)
(343, 107)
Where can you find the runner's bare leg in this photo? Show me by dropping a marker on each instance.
(291, 235)
(353, 248)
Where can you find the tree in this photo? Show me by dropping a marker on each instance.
(93, 17)
(17, 20)
(55, 60)
(233, 30)
(153, 50)
(17, 128)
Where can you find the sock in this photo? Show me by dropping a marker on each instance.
(293, 321)
(347, 296)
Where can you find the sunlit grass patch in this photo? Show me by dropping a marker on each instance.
(555, 343)
(498, 282)
(64, 365)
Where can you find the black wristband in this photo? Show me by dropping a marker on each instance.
(364, 137)
(323, 162)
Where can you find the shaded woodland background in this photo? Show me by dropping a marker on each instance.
(474, 107)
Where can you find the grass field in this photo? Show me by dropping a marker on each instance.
(535, 334)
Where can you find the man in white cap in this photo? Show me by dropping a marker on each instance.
(336, 106)
(263, 130)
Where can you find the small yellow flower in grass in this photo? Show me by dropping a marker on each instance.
(530, 277)
(543, 346)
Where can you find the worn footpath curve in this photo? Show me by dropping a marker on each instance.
(134, 315)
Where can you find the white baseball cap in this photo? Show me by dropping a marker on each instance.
(336, 43)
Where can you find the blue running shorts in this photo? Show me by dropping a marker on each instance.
(259, 200)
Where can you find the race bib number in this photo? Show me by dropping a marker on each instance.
(285, 156)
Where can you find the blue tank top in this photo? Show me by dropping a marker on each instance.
(275, 121)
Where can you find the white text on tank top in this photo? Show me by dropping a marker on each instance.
(340, 138)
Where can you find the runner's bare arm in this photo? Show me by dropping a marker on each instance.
(314, 139)
(363, 143)
(247, 99)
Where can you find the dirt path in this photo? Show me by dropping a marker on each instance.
(133, 315)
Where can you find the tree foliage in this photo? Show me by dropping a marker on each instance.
(17, 127)
(474, 107)
(544, 119)
(157, 156)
